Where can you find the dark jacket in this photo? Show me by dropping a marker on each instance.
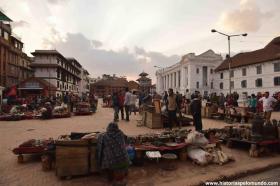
(195, 106)
(115, 101)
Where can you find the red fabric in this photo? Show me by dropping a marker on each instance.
(13, 91)
(121, 100)
(161, 148)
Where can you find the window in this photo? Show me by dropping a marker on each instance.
(221, 85)
(277, 81)
(276, 67)
(197, 70)
(231, 73)
(259, 82)
(232, 84)
(222, 75)
(243, 84)
(197, 84)
(244, 72)
(211, 71)
(57, 84)
(6, 35)
(259, 69)
(212, 85)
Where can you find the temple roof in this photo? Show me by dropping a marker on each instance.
(143, 74)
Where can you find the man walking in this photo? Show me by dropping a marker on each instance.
(196, 112)
(121, 103)
(127, 98)
(267, 106)
(188, 96)
(115, 104)
(171, 107)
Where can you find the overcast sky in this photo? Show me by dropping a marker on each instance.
(125, 37)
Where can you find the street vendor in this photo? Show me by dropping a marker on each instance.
(196, 112)
(47, 112)
(111, 151)
(172, 108)
(267, 105)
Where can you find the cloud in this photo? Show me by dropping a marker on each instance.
(96, 43)
(248, 18)
(98, 61)
(56, 1)
(20, 23)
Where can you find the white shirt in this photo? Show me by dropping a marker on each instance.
(188, 95)
(133, 99)
(267, 103)
(127, 98)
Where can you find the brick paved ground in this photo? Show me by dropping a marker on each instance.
(30, 173)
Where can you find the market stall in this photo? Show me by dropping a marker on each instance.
(155, 116)
(259, 138)
(83, 108)
(76, 154)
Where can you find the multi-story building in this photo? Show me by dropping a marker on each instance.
(14, 63)
(193, 72)
(251, 72)
(53, 67)
(84, 83)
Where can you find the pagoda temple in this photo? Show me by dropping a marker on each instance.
(144, 82)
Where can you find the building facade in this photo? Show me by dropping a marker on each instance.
(251, 72)
(193, 72)
(84, 83)
(59, 71)
(108, 86)
(14, 63)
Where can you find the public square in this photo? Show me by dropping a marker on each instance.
(30, 172)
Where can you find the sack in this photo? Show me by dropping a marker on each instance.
(199, 156)
(196, 139)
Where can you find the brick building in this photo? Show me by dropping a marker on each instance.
(14, 63)
(106, 87)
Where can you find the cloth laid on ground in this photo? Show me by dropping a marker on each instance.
(203, 153)
(111, 149)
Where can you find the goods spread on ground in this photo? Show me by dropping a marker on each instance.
(75, 154)
(19, 112)
(229, 113)
(260, 137)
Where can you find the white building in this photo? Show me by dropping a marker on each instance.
(193, 72)
(84, 83)
(53, 67)
(252, 72)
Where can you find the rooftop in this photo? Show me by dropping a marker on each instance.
(269, 53)
(3, 17)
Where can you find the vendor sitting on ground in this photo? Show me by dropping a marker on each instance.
(47, 112)
(111, 151)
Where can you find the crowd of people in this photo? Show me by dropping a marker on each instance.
(124, 102)
(177, 103)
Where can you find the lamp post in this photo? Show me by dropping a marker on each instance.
(228, 56)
